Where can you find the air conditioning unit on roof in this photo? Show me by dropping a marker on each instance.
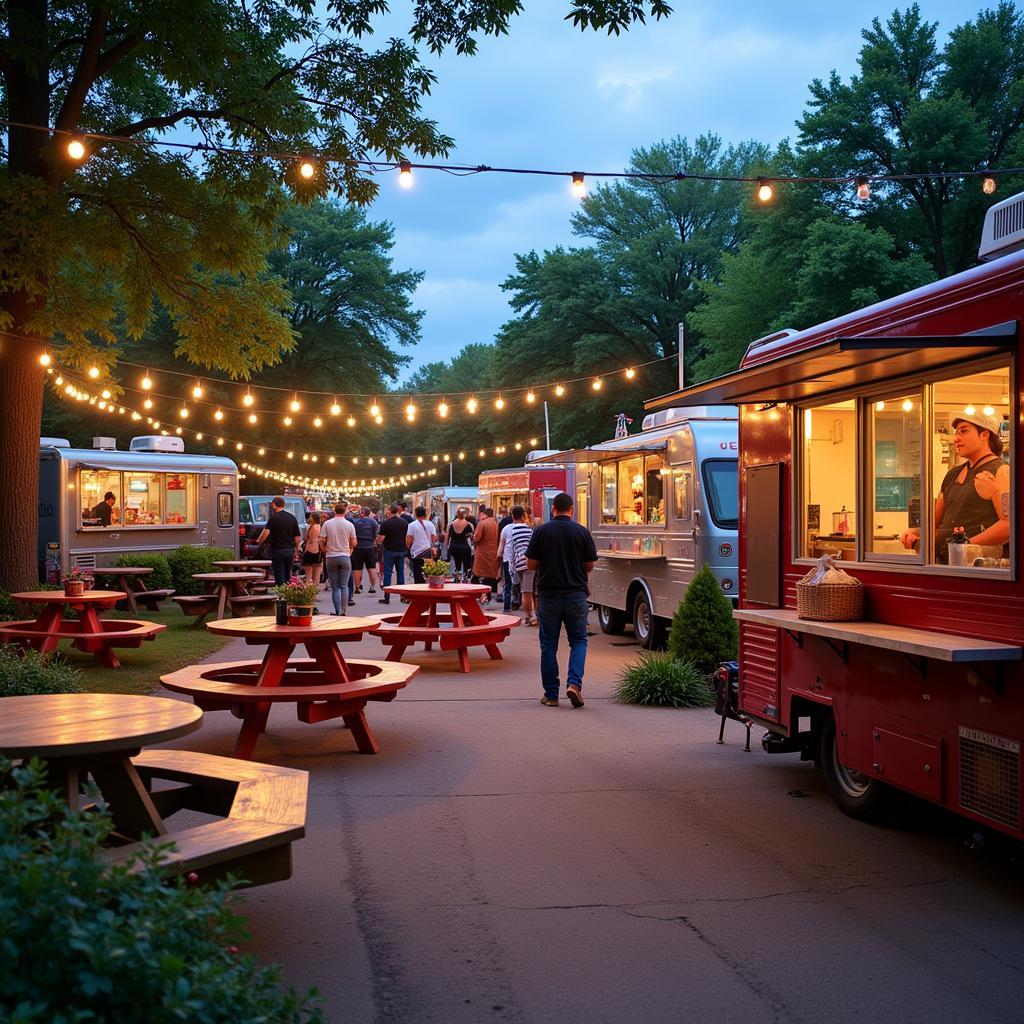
(158, 443)
(1003, 231)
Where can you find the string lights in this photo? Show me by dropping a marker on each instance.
(305, 167)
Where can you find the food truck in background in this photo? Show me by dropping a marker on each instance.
(163, 499)
(847, 433)
(534, 486)
(443, 502)
(661, 504)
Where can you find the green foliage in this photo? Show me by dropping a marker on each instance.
(8, 609)
(703, 630)
(160, 578)
(83, 942)
(28, 673)
(662, 680)
(189, 559)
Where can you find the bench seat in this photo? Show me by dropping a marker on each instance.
(262, 809)
(247, 604)
(116, 633)
(151, 598)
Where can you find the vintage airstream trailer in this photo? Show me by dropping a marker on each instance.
(661, 504)
(163, 498)
(874, 437)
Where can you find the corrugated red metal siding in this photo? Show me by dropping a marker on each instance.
(759, 670)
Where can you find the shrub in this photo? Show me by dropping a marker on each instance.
(87, 942)
(189, 559)
(663, 681)
(703, 629)
(160, 578)
(7, 609)
(22, 675)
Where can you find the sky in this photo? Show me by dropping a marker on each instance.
(548, 96)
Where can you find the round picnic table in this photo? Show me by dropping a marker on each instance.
(81, 734)
(227, 584)
(126, 576)
(243, 564)
(323, 686)
(464, 625)
(88, 632)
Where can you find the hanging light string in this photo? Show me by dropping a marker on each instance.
(66, 386)
(78, 146)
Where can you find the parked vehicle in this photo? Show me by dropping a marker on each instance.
(534, 487)
(162, 498)
(851, 435)
(253, 512)
(661, 504)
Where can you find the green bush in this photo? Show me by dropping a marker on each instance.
(703, 629)
(86, 942)
(7, 609)
(11, 609)
(663, 681)
(22, 675)
(189, 559)
(160, 578)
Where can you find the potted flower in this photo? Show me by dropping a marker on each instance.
(300, 597)
(435, 571)
(74, 583)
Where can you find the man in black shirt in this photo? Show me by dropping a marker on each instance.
(104, 509)
(282, 530)
(392, 537)
(563, 553)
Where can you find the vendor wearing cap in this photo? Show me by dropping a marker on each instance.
(974, 494)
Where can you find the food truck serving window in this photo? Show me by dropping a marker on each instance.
(633, 491)
(721, 486)
(140, 498)
(935, 480)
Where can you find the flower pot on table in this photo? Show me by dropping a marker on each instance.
(435, 582)
(74, 588)
(300, 615)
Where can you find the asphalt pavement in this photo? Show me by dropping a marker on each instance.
(503, 861)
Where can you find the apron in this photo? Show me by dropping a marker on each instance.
(963, 506)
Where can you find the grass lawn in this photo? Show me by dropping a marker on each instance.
(180, 645)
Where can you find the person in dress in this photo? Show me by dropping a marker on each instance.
(460, 547)
(486, 565)
(312, 554)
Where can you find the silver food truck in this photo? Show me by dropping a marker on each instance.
(162, 498)
(661, 504)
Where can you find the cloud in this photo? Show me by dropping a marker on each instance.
(627, 86)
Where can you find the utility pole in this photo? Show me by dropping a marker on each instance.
(547, 428)
(451, 474)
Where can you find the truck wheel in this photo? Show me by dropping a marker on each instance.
(648, 628)
(857, 795)
(611, 620)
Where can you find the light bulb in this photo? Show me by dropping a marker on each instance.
(287, 421)
(579, 186)
(76, 149)
(351, 421)
(94, 372)
(307, 169)
(471, 405)
(410, 411)
(375, 410)
(335, 409)
(907, 405)
(765, 192)
(262, 451)
(499, 403)
(238, 446)
(317, 422)
(989, 411)
(44, 359)
(969, 409)
(295, 405)
(104, 393)
(253, 418)
(630, 373)
(218, 415)
(405, 174)
(481, 453)
(197, 391)
(183, 413)
(879, 406)
(148, 403)
(442, 410)
(559, 390)
(378, 420)
(988, 186)
(146, 383)
(248, 400)
(530, 397)
(597, 384)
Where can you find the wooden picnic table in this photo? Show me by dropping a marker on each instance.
(127, 577)
(243, 564)
(465, 625)
(323, 686)
(88, 632)
(226, 585)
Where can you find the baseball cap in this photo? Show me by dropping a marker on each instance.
(979, 420)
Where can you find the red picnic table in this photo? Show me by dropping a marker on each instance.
(323, 686)
(88, 632)
(464, 625)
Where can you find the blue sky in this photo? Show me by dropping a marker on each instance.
(549, 96)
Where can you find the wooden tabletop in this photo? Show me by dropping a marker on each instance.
(226, 577)
(59, 597)
(123, 570)
(266, 626)
(448, 590)
(922, 643)
(76, 724)
(244, 563)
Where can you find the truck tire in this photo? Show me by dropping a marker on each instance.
(857, 795)
(611, 620)
(650, 630)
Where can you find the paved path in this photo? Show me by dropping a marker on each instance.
(502, 861)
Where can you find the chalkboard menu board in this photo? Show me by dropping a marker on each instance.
(892, 493)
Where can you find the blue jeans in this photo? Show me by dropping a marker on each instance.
(339, 571)
(392, 560)
(554, 611)
(281, 560)
(506, 590)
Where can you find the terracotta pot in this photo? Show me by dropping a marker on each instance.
(300, 615)
(435, 582)
(74, 588)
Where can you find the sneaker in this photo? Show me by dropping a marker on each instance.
(351, 603)
(575, 698)
(359, 590)
(384, 600)
(372, 591)
(549, 702)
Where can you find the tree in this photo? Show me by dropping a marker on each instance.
(703, 631)
(915, 107)
(88, 247)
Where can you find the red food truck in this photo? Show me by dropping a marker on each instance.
(532, 487)
(890, 439)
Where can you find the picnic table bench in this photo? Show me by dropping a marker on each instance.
(221, 587)
(87, 633)
(127, 576)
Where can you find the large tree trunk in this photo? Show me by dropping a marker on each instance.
(21, 405)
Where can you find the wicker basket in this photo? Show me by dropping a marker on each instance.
(830, 602)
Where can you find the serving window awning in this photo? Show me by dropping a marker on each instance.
(839, 364)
